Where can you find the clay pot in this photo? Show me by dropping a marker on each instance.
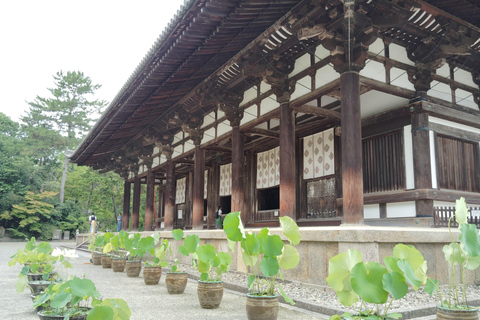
(106, 261)
(39, 286)
(262, 307)
(44, 315)
(118, 264)
(97, 259)
(210, 294)
(133, 268)
(450, 314)
(152, 275)
(176, 282)
(38, 277)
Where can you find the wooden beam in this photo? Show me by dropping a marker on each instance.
(126, 205)
(316, 111)
(217, 148)
(263, 132)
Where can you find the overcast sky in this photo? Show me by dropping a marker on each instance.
(104, 39)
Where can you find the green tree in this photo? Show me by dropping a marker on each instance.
(70, 113)
(31, 218)
(15, 169)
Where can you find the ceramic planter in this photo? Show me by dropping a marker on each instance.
(176, 282)
(39, 286)
(45, 315)
(152, 275)
(38, 277)
(133, 268)
(262, 307)
(97, 258)
(450, 314)
(118, 264)
(210, 294)
(106, 261)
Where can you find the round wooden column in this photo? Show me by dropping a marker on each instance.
(198, 188)
(137, 185)
(288, 193)
(352, 175)
(126, 205)
(169, 196)
(150, 200)
(238, 172)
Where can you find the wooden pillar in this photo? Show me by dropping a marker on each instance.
(352, 176)
(150, 199)
(288, 201)
(126, 205)
(422, 164)
(198, 188)
(250, 186)
(214, 193)
(169, 196)
(238, 172)
(137, 185)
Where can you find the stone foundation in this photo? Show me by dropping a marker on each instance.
(319, 244)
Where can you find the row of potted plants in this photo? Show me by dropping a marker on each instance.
(57, 295)
(265, 255)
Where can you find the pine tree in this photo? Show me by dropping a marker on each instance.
(61, 121)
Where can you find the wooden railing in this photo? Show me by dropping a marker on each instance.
(442, 214)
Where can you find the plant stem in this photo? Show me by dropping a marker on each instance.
(388, 307)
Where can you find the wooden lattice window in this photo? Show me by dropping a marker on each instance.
(457, 164)
(383, 168)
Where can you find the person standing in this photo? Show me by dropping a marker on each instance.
(218, 218)
(92, 221)
(119, 222)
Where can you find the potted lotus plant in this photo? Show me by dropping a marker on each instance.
(375, 285)
(78, 299)
(460, 255)
(106, 259)
(116, 247)
(38, 266)
(211, 265)
(96, 247)
(152, 271)
(137, 248)
(266, 255)
(176, 280)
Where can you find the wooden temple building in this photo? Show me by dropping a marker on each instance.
(328, 111)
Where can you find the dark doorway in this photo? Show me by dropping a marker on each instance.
(226, 203)
(269, 199)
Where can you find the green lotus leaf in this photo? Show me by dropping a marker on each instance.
(290, 229)
(251, 244)
(83, 288)
(60, 300)
(177, 234)
(409, 274)
(391, 263)
(409, 253)
(394, 283)
(101, 313)
(339, 268)
(203, 267)
(472, 263)
(461, 211)
(249, 260)
(269, 266)
(263, 233)
(272, 246)
(289, 258)
(367, 282)
(233, 227)
(470, 240)
(206, 253)
(454, 254)
(284, 295)
(251, 279)
(120, 308)
(225, 258)
(431, 286)
(44, 247)
(190, 244)
(21, 283)
(231, 245)
(347, 297)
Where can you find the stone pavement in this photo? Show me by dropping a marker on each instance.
(145, 302)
